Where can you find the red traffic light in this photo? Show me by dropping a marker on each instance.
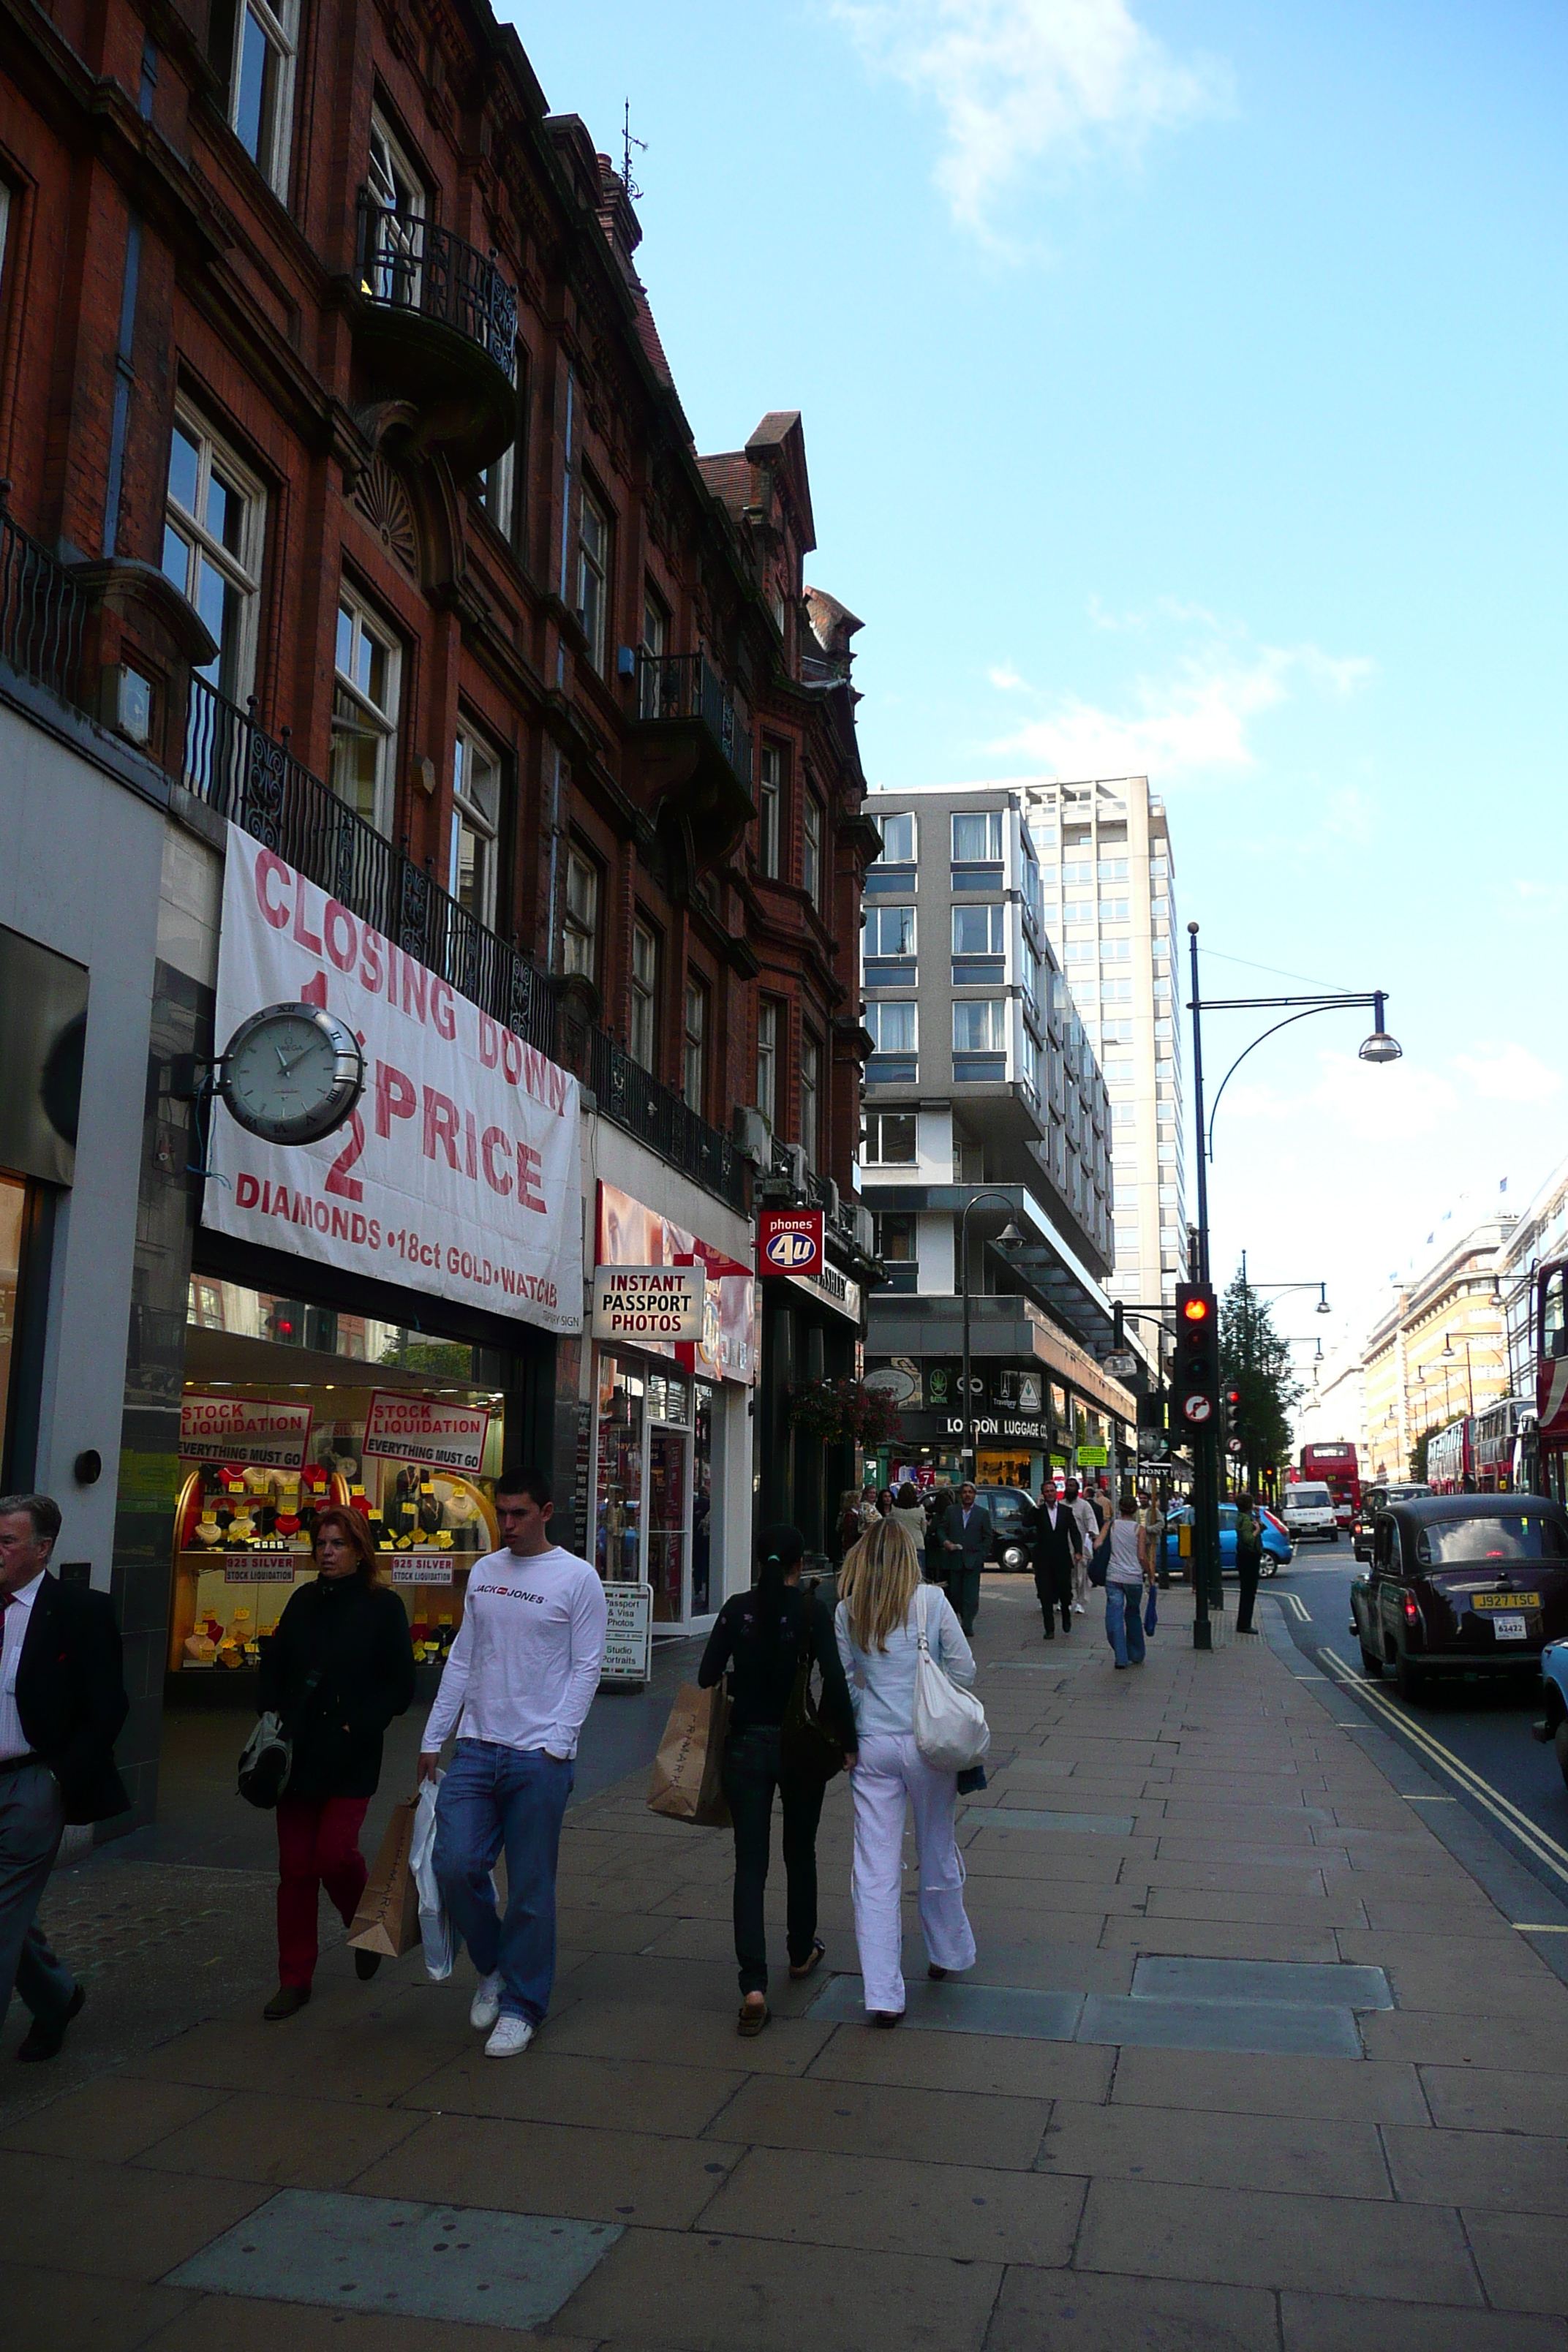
(1196, 1310)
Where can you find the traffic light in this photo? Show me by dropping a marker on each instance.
(1198, 1356)
(1151, 1409)
(286, 1317)
(1231, 1417)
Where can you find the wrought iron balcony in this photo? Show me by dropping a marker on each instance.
(662, 1119)
(438, 324)
(697, 753)
(239, 772)
(43, 612)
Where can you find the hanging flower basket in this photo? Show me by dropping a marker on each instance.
(841, 1412)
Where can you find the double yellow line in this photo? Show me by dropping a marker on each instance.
(1545, 1849)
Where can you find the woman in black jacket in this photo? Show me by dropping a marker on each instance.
(760, 1637)
(339, 1666)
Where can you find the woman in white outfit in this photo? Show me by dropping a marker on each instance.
(879, 1645)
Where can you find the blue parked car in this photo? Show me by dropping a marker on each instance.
(1276, 1552)
(1553, 1725)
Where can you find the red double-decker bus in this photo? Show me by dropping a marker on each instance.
(1339, 1467)
(1550, 1332)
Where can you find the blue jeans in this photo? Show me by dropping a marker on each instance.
(1124, 1623)
(32, 1820)
(512, 1797)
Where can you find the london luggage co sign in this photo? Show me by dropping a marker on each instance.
(649, 1302)
(789, 1240)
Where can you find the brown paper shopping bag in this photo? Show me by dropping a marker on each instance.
(387, 1920)
(688, 1771)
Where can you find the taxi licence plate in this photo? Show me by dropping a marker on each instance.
(1507, 1600)
(1508, 1629)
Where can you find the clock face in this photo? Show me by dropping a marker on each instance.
(292, 1074)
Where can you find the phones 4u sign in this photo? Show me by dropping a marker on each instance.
(789, 1240)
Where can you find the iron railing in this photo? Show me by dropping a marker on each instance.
(242, 774)
(662, 1119)
(687, 686)
(43, 611)
(408, 263)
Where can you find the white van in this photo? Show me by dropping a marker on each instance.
(1308, 1510)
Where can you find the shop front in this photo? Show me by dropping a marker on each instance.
(667, 1421)
(380, 1318)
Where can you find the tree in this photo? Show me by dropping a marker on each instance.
(1255, 1359)
(1418, 1452)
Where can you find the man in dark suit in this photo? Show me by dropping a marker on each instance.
(62, 1702)
(1058, 1545)
(967, 1538)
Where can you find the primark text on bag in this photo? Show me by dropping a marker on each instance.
(951, 1730)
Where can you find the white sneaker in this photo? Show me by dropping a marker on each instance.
(485, 2007)
(512, 2036)
(1078, 1608)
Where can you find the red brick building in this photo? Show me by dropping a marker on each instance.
(337, 423)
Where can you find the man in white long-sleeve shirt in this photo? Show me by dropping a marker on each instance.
(517, 1684)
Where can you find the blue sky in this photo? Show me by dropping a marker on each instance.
(1182, 389)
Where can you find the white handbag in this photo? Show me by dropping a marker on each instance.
(951, 1730)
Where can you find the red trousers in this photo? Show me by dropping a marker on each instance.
(317, 1845)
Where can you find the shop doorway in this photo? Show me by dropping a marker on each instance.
(653, 1487)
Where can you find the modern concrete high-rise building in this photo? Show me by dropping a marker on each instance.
(1109, 898)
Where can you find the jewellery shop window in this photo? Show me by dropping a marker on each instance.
(652, 1519)
(288, 1407)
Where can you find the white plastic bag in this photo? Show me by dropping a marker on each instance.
(435, 1928)
(951, 1730)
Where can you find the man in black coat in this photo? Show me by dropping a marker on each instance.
(1058, 1544)
(966, 1544)
(62, 1702)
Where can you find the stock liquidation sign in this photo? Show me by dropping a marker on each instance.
(789, 1240)
(459, 1173)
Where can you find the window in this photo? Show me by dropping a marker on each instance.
(888, 1140)
(892, 1024)
(890, 930)
(770, 813)
(261, 42)
(394, 242)
(364, 714)
(693, 1045)
(897, 1242)
(980, 930)
(980, 1025)
(212, 548)
(581, 945)
(897, 838)
(768, 1059)
(811, 852)
(1113, 869)
(810, 1086)
(1113, 911)
(593, 574)
(977, 837)
(655, 646)
(1077, 869)
(645, 995)
(476, 815)
(496, 490)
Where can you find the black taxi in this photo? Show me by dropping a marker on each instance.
(1461, 1584)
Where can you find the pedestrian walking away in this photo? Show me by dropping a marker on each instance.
(1087, 1519)
(62, 1702)
(762, 1638)
(336, 1672)
(1124, 1580)
(516, 1687)
(964, 1546)
(848, 1530)
(1249, 1560)
(1058, 1548)
(879, 1646)
(909, 1513)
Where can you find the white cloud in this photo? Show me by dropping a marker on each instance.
(1020, 81)
(1196, 717)
(1508, 1074)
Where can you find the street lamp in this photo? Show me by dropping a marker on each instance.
(1469, 1383)
(1379, 1047)
(1008, 1239)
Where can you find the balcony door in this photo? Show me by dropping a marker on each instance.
(394, 241)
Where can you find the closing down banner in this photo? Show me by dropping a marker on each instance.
(459, 1175)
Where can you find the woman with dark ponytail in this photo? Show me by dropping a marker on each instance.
(760, 1637)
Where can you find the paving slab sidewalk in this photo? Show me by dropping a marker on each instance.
(831, 2186)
